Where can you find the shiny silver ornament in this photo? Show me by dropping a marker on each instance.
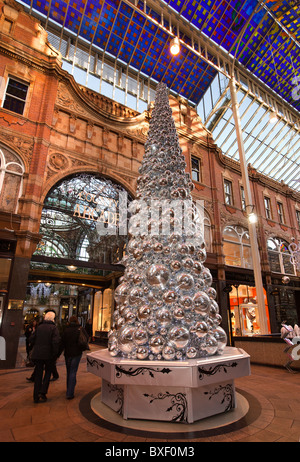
(164, 317)
(142, 352)
(168, 352)
(156, 344)
(144, 312)
(221, 337)
(157, 275)
(179, 336)
(185, 281)
(121, 293)
(140, 336)
(201, 302)
(126, 342)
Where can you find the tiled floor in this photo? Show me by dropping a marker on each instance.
(274, 415)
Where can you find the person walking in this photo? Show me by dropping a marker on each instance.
(46, 345)
(89, 329)
(29, 331)
(72, 352)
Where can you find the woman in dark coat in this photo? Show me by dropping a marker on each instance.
(72, 352)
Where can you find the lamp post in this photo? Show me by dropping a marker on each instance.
(260, 298)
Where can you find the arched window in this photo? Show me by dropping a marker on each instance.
(280, 256)
(72, 214)
(236, 247)
(52, 247)
(11, 180)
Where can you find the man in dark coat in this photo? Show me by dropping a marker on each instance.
(46, 346)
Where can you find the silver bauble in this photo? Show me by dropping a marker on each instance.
(168, 352)
(121, 293)
(179, 336)
(221, 337)
(140, 336)
(144, 312)
(178, 313)
(136, 296)
(185, 281)
(186, 301)
(126, 336)
(113, 349)
(210, 346)
(156, 344)
(164, 317)
(157, 275)
(191, 352)
(212, 293)
(201, 302)
(201, 329)
(175, 265)
(152, 327)
(142, 352)
(169, 296)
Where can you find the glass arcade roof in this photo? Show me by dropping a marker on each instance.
(262, 38)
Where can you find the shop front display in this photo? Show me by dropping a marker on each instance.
(244, 316)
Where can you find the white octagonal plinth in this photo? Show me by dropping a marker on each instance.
(170, 391)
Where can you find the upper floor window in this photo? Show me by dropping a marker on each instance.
(7, 26)
(15, 96)
(280, 256)
(237, 247)
(280, 212)
(196, 172)
(228, 192)
(298, 217)
(268, 210)
(243, 199)
(207, 232)
(11, 180)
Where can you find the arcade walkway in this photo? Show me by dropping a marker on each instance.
(274, 414)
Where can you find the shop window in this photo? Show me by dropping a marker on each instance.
(11, 180)
(15, 96)
(103, 306)
(196, 171)
(236, 247)
(5, 265)
(286, 302)
(243, 310)
(280, 257)
(280, 212)
(268, 210)
(228, 192)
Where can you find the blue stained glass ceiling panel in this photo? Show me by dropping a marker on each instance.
(264, 38)
(123, 32)
(269, 47)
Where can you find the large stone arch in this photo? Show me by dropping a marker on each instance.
(73, 210)
(105, 172)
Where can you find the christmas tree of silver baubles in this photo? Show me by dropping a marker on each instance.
(165, 304)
